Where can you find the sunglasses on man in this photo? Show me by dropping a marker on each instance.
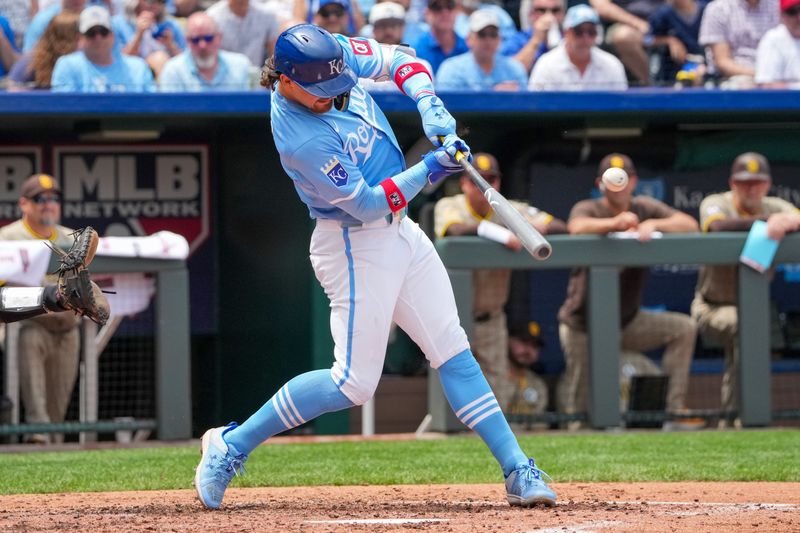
(335, 12)
(197, 39)
(41, 199)
(792, 11)
(543, 10)
(488, 34)
(103, 32)
(443, 6)
(591, 31)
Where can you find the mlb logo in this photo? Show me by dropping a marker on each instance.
(395, 199)
(335, 172)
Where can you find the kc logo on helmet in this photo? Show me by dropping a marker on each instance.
(337, 65)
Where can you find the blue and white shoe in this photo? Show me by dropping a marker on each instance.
(525, 486)
(217, 467)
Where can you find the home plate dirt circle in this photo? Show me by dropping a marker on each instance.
(584, 507)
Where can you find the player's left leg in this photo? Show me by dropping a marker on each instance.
(426, 310)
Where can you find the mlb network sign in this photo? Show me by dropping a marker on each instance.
(136, 190)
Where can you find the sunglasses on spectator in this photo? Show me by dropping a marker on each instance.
(336, 12)
(448, 6)
(488, 34)
(42, 199)
(91, 33)
(580, 32)
(543, 10)
(206, 38)
(155, 1)
(792, 11)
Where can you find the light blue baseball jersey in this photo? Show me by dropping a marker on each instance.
(180, 74)
(75, 73)
(335, 158)
(462, 73)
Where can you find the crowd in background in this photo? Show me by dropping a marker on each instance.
(500, 45)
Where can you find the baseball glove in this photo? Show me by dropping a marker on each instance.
(75, 291)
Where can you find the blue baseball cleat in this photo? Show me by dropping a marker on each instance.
(525, 486)
(217, 467)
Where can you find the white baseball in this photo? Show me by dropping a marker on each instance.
(615, 179)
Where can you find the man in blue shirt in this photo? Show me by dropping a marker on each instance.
(482, 68)
(95, 67)
(204, 67)
(441, 41)
(545, 18)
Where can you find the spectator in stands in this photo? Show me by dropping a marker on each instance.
(308, 9)
(42, 19)
(467, 7)
(778, 53)
(8, 50)
(675, 27)
(545, 18)
(714, 305)
(35, 68)
(730, 31)
(627, 31)
(482, 68)
(387, 23)
(469, 213)
(95, 67)
(247, 28)
(577, 64)
(48, 344)
(527, 391)
(387, 14)
(204, 67)
(18, 13)
(641, 330)
(148, 31)
(333, 16)
(441, 41)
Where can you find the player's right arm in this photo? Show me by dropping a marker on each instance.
(326, 173)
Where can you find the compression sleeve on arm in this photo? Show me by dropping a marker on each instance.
(392, 193)
(411, 76)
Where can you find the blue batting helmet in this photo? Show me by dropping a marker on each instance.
(314, 59)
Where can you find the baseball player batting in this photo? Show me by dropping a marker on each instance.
(375, 264)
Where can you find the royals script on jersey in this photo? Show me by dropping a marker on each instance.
(333, 156)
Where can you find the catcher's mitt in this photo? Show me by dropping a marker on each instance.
(75, 290)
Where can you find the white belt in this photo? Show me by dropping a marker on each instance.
(382, 222)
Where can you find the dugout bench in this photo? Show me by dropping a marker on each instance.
(604, 256)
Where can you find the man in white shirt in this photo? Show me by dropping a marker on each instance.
(577, 64)
(250, 29)
(778, 53)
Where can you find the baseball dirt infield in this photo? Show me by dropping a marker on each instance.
(600, 507)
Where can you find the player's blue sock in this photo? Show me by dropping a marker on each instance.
(302, 399)
(475, 405)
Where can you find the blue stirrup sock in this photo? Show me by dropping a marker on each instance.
(475, 405)
(303, 398)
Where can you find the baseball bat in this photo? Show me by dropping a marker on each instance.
(531, 239)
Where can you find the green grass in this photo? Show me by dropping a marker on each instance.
(702, 456)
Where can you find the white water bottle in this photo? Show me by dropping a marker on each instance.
(553, 36)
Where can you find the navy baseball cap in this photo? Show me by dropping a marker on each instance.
(314, 59)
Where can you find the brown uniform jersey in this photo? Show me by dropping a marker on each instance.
(631, 281)
(718, 284)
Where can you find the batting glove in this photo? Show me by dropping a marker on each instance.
(454, 143)
(440, 164)
(436, 120)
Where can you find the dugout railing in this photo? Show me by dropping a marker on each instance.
(171, 347)
(604, 256)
